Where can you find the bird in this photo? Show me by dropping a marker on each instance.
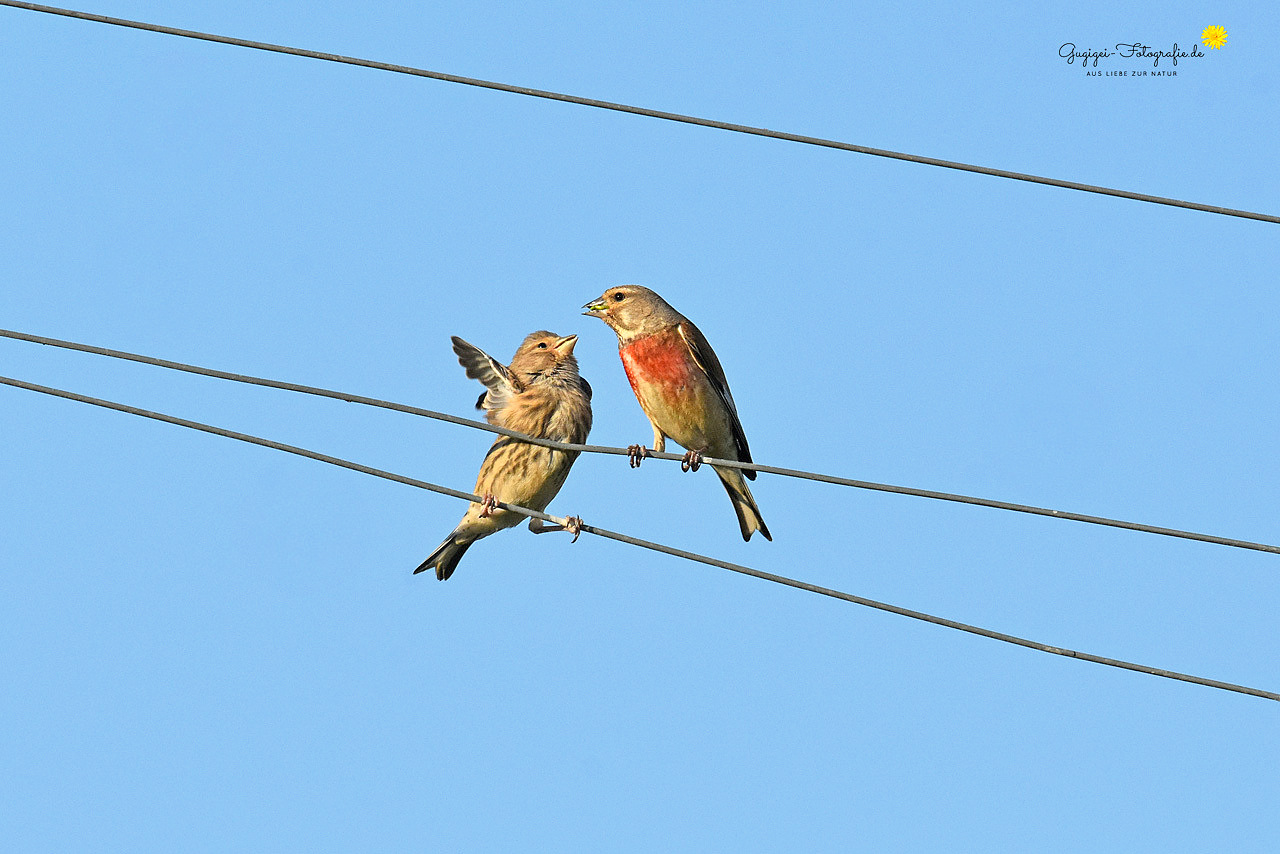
(541, 394)
(682, 389)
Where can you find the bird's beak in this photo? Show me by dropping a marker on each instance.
(596, 307)
(565, 345)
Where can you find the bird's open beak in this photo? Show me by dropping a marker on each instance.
(596, 307)
(566, 344)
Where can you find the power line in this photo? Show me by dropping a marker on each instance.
(640, 111)
(658, 547)
(605, 449)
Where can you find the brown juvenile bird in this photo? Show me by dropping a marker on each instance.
(681, 388)
(540, 394)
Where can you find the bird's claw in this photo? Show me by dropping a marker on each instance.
(636, 455)
(691, 461)
(573, 524)
(487, 505)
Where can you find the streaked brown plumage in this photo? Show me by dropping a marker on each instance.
(681, 387)
(540, 394)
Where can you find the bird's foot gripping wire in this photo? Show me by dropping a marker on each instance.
(487, 505)
(636, 455)
(691, 461)
(572, 524)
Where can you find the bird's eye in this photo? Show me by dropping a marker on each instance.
(619, 297)
(542, 346)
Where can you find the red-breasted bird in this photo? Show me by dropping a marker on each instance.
(540, 394)
(681, 388)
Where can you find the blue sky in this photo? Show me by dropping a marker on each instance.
(212, 646)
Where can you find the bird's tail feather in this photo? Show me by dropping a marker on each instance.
(445, 558)
(744, 504)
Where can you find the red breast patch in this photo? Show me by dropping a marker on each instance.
(661, 359)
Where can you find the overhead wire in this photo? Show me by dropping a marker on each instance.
(640, 111)
(647, 544)
(605, 449)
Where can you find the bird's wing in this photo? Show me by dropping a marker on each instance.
(586, 386)
(706, 360)
(499, 381)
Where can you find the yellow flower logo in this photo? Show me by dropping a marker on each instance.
(1214, 37)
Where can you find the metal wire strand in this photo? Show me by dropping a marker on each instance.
(605, 449)
(641, 111)
(658, 547)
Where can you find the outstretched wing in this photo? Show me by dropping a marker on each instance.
(706, 359)
(500, 382)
